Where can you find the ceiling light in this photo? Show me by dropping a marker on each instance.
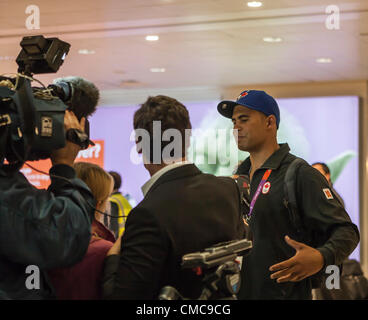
(324, 60)
(158, 69)
(272, 39)
(254, 4)
(152, 38)
(130, 83)
(86, 51)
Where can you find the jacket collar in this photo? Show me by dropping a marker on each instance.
(273, 162)
(147, 186)
(174, 174)
(100, 231)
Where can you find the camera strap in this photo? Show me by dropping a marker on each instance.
(3, 136)
(258, 192)
(5, 122)
(23, 99)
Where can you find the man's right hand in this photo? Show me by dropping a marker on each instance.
(68, 154)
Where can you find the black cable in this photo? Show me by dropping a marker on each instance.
(76, 187)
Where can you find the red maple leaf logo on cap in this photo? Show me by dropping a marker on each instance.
(243, 94)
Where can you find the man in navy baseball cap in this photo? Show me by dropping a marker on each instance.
(279, 267)
(252, 99)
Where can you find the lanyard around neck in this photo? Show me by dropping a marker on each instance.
(258, 192)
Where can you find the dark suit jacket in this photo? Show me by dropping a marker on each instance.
(183, 212)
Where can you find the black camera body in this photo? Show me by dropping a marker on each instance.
(32, 119)
(219, 267)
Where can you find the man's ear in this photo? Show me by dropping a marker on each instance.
(271, 120)
(138, 144)
(328, 177)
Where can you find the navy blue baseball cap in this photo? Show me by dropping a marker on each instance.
(252, 99)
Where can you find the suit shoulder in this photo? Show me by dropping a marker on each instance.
(222, 180)
(226, 180)
(141, 211)
(227, 185)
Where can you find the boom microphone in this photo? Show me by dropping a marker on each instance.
(80, 95)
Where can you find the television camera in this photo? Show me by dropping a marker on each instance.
(32, 118)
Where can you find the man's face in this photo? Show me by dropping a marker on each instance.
(320, 169)
(251, 126)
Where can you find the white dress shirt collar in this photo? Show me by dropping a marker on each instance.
(147, 186)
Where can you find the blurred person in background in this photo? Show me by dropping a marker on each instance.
(353, 283)
(119, 207)
(325, 171)
(82, 281)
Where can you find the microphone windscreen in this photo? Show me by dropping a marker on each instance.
(85, 96)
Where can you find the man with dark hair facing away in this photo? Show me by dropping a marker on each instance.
(183, 210)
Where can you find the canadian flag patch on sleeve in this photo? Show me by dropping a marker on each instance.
(328, 193)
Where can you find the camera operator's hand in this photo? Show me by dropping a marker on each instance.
(68, 154)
